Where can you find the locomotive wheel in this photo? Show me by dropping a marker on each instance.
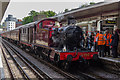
(66, 65)
(21, 46)
(42, 54)
(84, 65)
(59, 64)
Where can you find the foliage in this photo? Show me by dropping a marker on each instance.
(50, 13)
(33, 13)
(84, 5)
(66, 10)
(27, 19)
(0, 26)
(91, 3)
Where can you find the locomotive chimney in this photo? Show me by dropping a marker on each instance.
(71, 20)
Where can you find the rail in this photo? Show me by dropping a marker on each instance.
(40, 74)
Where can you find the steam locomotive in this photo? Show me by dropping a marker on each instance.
(48, 39)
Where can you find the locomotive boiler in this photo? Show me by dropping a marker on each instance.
(68, 37)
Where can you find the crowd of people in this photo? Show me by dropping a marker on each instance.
(103, 42)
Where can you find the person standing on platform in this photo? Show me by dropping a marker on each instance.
(91, 40)
(88, 42)
(114, 44)
(108, 41)
(101, 43)
(95, 43)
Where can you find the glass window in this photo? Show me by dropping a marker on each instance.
(57, 23)
(40, 25)
(24, 30)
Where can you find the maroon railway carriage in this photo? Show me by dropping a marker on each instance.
(36, 36)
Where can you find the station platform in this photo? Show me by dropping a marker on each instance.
(111, 59)
(1, 66)
(111, 64)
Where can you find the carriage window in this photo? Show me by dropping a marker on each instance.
(57, 24)
(40, 25)
(51, 23)
(22, 30)
(25, 31)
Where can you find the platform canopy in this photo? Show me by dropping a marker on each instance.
(92, 12)
(3, 7)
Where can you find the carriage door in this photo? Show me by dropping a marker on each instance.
(34, 33)
(28, 35)
(31, 35)
(19, 34)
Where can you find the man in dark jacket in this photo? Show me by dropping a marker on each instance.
(91, 40)
(114, 44)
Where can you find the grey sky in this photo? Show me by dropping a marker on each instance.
(21, 8)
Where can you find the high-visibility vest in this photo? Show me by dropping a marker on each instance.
(108, 37)
(101, 39)
(94, 39)
(97, 34)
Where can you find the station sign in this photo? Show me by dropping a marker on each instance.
(110, 22)
(109, 26)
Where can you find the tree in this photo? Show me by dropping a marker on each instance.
(84, 5)
(92, 3)
(0, 26)
(33, 13)
(27, 19)
(66, 10)
(50, 13)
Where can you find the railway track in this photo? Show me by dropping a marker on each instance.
(27, 69)
(8, 65)
(101, 74)
(90, 75)
(65, 74)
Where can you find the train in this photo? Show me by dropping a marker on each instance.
(52, 41)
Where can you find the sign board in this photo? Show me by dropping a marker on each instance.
(111, 0)
(109, 26)
(110, 22)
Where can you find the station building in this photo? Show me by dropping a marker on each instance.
(96, 17)
(10, 22)
(3, 7)
(10, 25)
